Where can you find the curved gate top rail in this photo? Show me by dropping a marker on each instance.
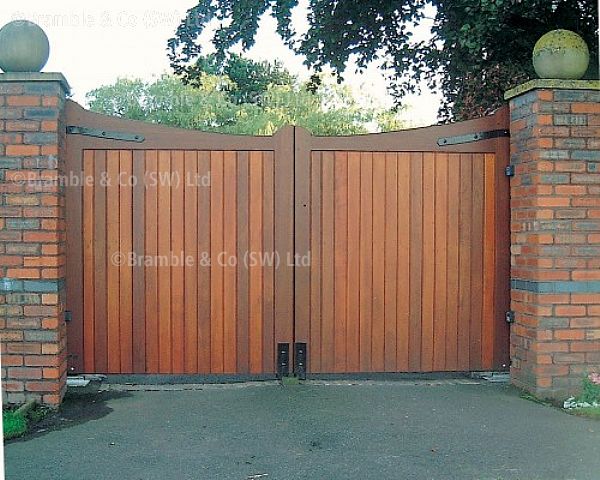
(478, 135)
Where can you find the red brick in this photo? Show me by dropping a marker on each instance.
(22, 126)
(24, 101)
(569, 335)
(42, 360)
(22, 150)
(585, 108)
(43, 386)
(586, 275)
(31, 273)
(585, 346)
(25, 372)
(12, 360)
(570, 310)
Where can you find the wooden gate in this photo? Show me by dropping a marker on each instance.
(198, 253)
(409, 240)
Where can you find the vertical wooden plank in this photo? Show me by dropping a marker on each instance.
(391, 259)
(428, 280)
(464, 297)
(502, 253)
(74, 262)
(138, 293)
(243, 223)
(204, 268)
(477, 262)
(164, 271)
(416, 260)
(353, 321)
(302, 234)
(217, 260)
(100, 266)
(88, 263)
(452, 290)
(230, 273)
(314, 350)
(193, 182)
(284, 234)
(366, 260)
(151, 272)
(489, 270)
(177, 267)
(114, 259)
(378, 319)
(403, 260)
(327, 263)
(340, 259)
(256, 270)
(126, 270)
(441, 257)
(269, 269)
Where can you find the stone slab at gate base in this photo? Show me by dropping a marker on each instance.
(555, 235)
(32, 237)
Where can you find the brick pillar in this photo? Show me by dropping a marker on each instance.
(555, 225)
(32, 237)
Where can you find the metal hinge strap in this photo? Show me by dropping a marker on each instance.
(472, 137)
(99, 133)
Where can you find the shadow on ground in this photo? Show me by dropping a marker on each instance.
(76, 409)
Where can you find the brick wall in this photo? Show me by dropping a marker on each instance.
(32, 238)
(555, 224)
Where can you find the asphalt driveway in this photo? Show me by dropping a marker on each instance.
(373, 430)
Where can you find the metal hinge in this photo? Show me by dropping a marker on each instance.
(510, 316)
(99, 133)
(68, 316)
(509, 171)
(472, 137)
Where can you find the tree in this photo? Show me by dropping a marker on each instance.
(478, 48)
(249, 80)
(329, 110)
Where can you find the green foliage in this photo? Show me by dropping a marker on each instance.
(590, 392)
(479, 48)
(14, 424)
(330, 109)
(593, 412)
(249, 80)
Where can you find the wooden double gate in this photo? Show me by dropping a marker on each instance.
(200, 253)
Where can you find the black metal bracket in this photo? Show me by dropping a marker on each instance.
(509, 171)
(283, 360)
(300, 357)
(68, 316)
(98, 133)
(510, 316)
(472, 137)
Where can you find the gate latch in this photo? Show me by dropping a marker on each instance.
(472, 137)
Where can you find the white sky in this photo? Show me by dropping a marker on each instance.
(94, 43)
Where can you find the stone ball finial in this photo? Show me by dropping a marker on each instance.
(561, 54)
(24, 47)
